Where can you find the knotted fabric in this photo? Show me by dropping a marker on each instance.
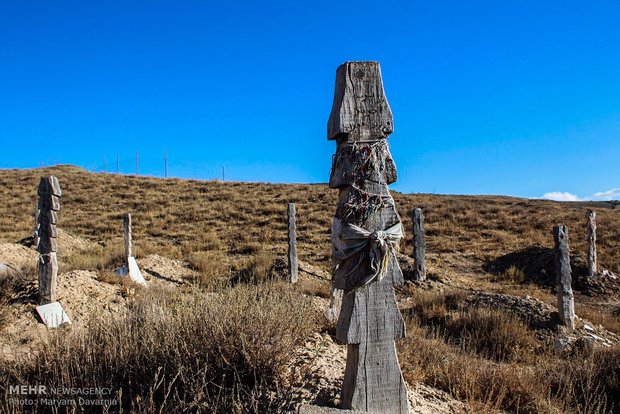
(376, 247)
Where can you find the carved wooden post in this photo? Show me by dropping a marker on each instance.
(419, 245)
(49, 204)
(365, 231)
(293, 267)
(591, 215)
(127, 226)
(566, 307)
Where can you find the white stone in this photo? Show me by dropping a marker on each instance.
(562, 342)
(595, 337)
(53, 315)
(588, 327)
(134, 271)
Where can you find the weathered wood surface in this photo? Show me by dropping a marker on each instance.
(566, 307)
(591, 216)
(360, 111)
(369, 320)
(128, 239)
(45, 237)
(293, 266)
(419, 245)
(335, 302)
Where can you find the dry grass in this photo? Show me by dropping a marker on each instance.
(180, 352)
(221, 348)
(175, 217)
(490, 359)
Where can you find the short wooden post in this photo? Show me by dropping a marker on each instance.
(419, 245)
(566, 306)
(128, 241)
(591, 216)
(49, 204)
(293, 267)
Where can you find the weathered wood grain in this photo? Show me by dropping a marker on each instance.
(591, 227)
(369, 320)
(46, 235)
(419, 245)
(566, 306)
(128, 238)
(293, 266)
(360, 110)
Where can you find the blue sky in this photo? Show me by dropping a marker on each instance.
(515, 98)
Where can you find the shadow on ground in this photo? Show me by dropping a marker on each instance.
(537, 264)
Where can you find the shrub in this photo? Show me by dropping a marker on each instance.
(178, 352)
(211, 267)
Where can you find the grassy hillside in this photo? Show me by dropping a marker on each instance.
(481, 329)
(176, 217)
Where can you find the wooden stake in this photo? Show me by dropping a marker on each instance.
(293, 267)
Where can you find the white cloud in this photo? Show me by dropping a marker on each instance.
(559, 196)
(613, 194)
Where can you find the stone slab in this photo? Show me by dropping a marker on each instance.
(53, 315)
(134, 271)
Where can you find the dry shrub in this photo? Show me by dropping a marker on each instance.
(511, 275)
(179, 352)
(98, 258)
(607, 317)
(204, 241)
(211, 267)
(590, 380)
(494, 333)
(258, 268)
(486, 357)
(15, 283)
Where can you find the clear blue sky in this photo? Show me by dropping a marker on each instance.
(516, 98)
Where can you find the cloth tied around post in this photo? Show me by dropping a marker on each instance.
(360, 256)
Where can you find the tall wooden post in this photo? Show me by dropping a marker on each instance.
(591, 216)
(136, 162)
(49, 204)
(293, 267)
(365, 232)
(118, 164)
(419, 245)
(566, 306)
(165, 165)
